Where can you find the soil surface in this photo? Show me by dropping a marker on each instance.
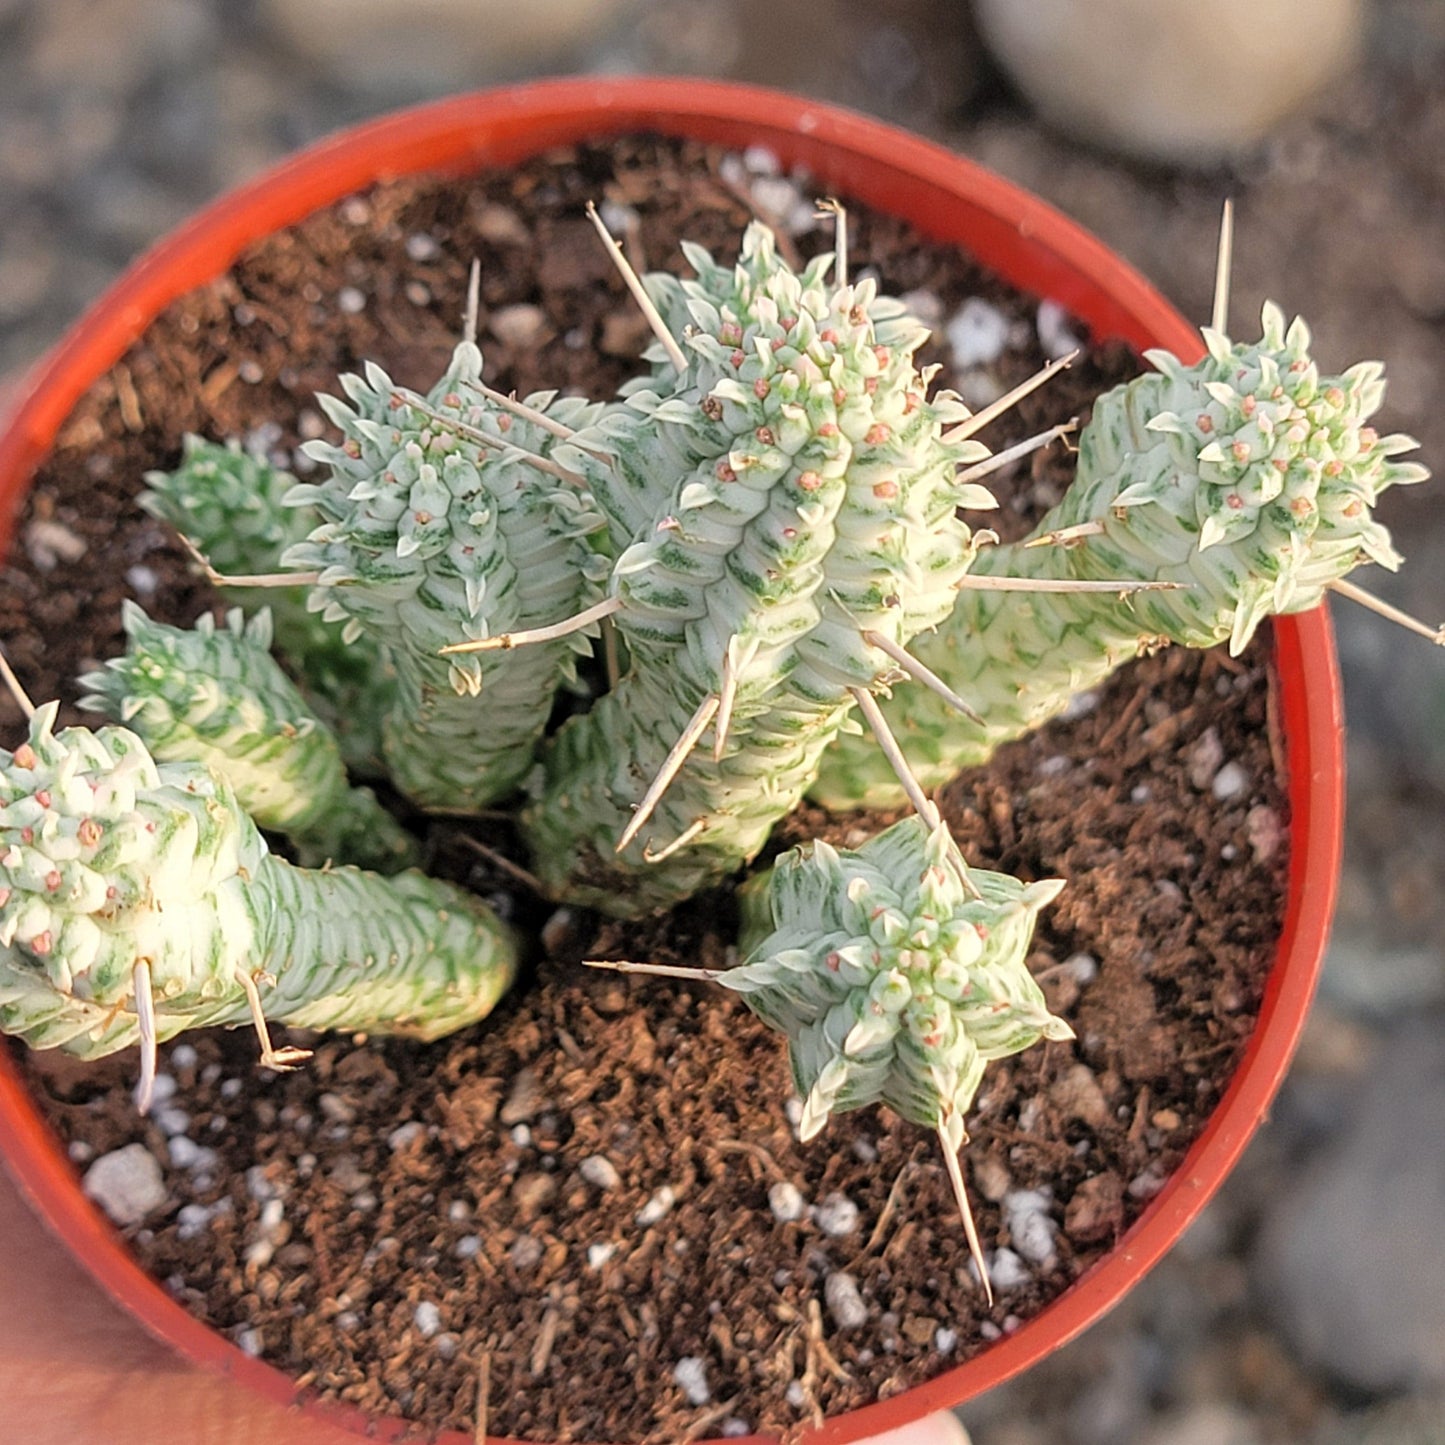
(598, 1192)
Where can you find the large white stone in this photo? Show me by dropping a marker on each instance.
(430, 46)
(1171, 80)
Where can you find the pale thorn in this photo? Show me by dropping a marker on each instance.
(16, 689)
(639, 292)
(1062, 584)
(610, 659)
(981, 419)
(970, 1229)
(1068, 536)
(726, 697)
(671, 766)
(923, 805)
(500, 860)
(257, 579)
(505, 641)
(474, 302)
(920, 672)
(1223, 268)
(657, 970)
(830, 206)
(681, 841)
(271, 1057)
(145, 1013)
(1012, 454)
(1394, 614)
(498, 444)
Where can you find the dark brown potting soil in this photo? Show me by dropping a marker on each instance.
(584, 1192)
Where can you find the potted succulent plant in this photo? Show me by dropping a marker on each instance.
(768, 523)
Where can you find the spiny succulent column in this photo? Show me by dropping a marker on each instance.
(894, 976)
(794, 494)
(230, 505)
(138, 899)
(216, 696)
(1247, 478)
(438, 529)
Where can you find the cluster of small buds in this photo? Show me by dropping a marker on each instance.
(895, 974)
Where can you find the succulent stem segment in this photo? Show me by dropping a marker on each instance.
(229, 508)
(891, 980)
(787, 495)
(447, 519)
(215, 696)
(138, 899)
(1247, 478)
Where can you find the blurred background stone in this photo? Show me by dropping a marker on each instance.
(1171, 80)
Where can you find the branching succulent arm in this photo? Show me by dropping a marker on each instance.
(439, 527)
(215, 696)
(1247, 477)
(138, 899)
(799, 493)
(230, 506)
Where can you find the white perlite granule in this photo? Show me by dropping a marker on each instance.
(599, 1170)
(427, 1318)
(786, 1202)
(837, 1216)
(690, 1372)
(978, 332)
(845, 1304)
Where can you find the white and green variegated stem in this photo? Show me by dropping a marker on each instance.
(138, 899)
(1247, 477)
(215, 695)
(800, 495)
(230, 506)
(893, 982)
(440, 528)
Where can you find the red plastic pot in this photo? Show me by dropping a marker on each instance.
(1026, 242)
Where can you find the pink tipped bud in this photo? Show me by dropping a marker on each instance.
(1335, 396)
(42, 796)
(882, 355)
(42, 943)
(1248, 405)
(779, 342)
(828, 429)
(730, 333)
(451, 399)
(1334, 467)
(761, 387)
(809, 482)
(1368, 436)
(789, 533)
(27, 835)
(829, 335)
(839, 396)
(352, 448)
(765, 435)
(395, 402)
(877, 434)
(1281, 465)
(833, 961)
(712, 408)
(423, 518)
(1234, 501)
(871, 385)
(4, 897)
(1303, 507)
(737, 358)
(725, 473)
(1240, 451)
(53, 880)
(787, 322)
(25, 756)
(911, 402)
(1204, 422)
(885, 491)
(1353, 507)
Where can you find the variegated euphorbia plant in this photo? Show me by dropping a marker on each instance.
(764, 524)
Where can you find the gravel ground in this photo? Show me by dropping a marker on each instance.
(1309, 1303)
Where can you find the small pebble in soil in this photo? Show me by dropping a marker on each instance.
(657, 1207)
(126, 1183)
(470, 1245)
(183, 1056)
(336, 1110)
(526, 1251)
(521, 1136)
(795, 1394)
(172, 1121)
(145, 580)
(250, 372)
(1007, 1271)
(735, 1427)
(786, 1202)
(1080, 705)
(944, 1340)
(690, 1372)
(599, 1171)
(865, 1149)
(837, 1216)
(350, 301)
(250, 1342)
(1229, 782)
(1026, 1213)
(405, 1134)
(599, 1254)
(845, 1303)
(427, 1318)
(421, 247)
(185, 1153)
(80, 1152)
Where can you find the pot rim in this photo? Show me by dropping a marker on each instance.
(946, 196)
